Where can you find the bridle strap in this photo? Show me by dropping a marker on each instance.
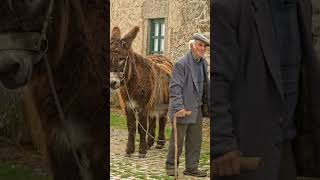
(53, 88)
(32, 41)
(122, 74)
(45, 26)
(28, 41)
(20, 41)
(124, 70)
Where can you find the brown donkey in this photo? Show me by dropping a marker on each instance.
(143, 83)
(66, 38)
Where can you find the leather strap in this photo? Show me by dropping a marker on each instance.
(20, 41)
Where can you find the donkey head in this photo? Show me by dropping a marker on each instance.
(21, 23)
(120, 50)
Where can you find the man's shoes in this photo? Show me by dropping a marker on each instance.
(170, 172)
(195, 172)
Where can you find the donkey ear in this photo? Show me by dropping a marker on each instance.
(128, 38)
(115, 35)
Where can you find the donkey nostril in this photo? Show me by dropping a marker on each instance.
(7, 66)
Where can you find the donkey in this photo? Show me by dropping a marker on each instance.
(56, 47)
(143, 84)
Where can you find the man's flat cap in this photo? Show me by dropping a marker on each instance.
(200, 37)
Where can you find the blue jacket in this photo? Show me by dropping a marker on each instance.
(183, 89)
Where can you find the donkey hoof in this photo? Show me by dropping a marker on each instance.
(127, 155)
(159, 146)
(142, 155)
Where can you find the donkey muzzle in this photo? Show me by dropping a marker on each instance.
(15, 68)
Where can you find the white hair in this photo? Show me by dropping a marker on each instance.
(192, 42)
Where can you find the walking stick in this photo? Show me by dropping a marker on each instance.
(248, 164)
(188, 113)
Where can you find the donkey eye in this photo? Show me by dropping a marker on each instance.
(123, 43)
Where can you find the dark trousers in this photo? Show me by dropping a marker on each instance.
(287, 169)
(191, 134)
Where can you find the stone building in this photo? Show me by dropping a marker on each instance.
(165, 25)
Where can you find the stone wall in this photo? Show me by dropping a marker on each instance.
(187, 17)
(126, 14)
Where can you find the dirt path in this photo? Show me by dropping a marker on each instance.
(151, 167)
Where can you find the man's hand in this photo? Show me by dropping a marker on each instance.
(227, 164)
(180, 113)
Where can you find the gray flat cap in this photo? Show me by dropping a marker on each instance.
(200, 37)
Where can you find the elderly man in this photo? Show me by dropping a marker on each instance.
(265, 83)
(188, 91)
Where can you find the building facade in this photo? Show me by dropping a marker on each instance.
(165, 25)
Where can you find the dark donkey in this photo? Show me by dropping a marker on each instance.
(57, 47)
(143, 83)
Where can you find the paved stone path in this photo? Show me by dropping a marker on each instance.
(153, 165)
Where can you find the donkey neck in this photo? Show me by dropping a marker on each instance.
(138, 68)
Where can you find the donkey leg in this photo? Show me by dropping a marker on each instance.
(142, 127)
(131, 124)
(62, 163)
(161, 135)
(151, 131)
(93, 162)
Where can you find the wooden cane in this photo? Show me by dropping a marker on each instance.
(308, 178)
(187, 113)
(248, 164)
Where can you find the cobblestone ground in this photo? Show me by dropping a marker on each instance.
(153, 165)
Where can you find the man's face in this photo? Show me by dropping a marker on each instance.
(199, 49)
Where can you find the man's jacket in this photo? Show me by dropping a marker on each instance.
(247, 103)
(183, 89)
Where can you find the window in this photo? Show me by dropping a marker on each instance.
(156, 36)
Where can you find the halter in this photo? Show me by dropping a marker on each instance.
(121, 74)
(38, 42)
(29, 41)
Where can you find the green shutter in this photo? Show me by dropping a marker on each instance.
(153, 38)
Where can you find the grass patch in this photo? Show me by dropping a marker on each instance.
(117, 120)
(10, 172)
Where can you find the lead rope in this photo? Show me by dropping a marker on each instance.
(130, 104)
(136, 113)
(61, 113)
(52, 85)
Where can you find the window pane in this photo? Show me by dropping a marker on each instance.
(156, 29)
(161, 45)
(155, 45)
(162, 29)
